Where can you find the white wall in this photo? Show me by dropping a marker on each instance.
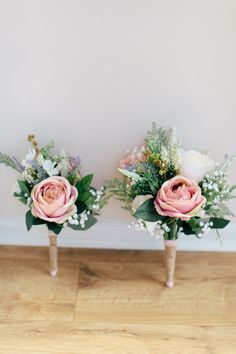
(93, 75)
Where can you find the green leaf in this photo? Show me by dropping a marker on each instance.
(84, 183)
(219, 223)
(23, 187)
(29, 220)
(85, 197)
(56, 228)
(232, 188)
(172, 234)
(72, 179)
(147, 212)
(89, 223)
(23, 200)
(80, 207)
(153, 188)
(38, 221)
(193, 223)
(187, 229)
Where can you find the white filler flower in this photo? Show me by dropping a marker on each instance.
(49, 167)
(28, 158)
(195, 165)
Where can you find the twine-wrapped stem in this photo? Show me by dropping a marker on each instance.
(170, 256)
(53, 253)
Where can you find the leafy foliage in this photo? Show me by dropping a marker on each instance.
(156, 139)
(122, 192)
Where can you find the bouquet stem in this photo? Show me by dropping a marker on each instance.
(170, 256)
(53, 253)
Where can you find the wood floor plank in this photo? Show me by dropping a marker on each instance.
(165, 339)
(128, 292)
(115, 302)
(77, 255)
(98, 338)
(28, 292)
(68, 338)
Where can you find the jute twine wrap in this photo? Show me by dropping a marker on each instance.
(53, 253)
(170, 256)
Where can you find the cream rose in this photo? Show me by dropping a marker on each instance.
(195, 165)
(53, 200)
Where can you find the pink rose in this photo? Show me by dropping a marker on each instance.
(54, 200)
(179, 198)
(134, 157)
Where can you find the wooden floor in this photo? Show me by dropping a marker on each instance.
(115, 302)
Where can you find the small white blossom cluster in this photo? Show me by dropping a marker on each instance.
(156, 229)
(215, 187)
(205, 228)
(80, 219)
(160, 228)
(97, 195)
(73, 220)
(29, 175)
(139, 225)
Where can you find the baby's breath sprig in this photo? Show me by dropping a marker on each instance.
(217, 191)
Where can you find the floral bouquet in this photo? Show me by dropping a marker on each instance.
(172, 192)
(55, 193)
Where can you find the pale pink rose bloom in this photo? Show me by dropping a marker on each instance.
(179, 198)
(134, 157)
(54, 200)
